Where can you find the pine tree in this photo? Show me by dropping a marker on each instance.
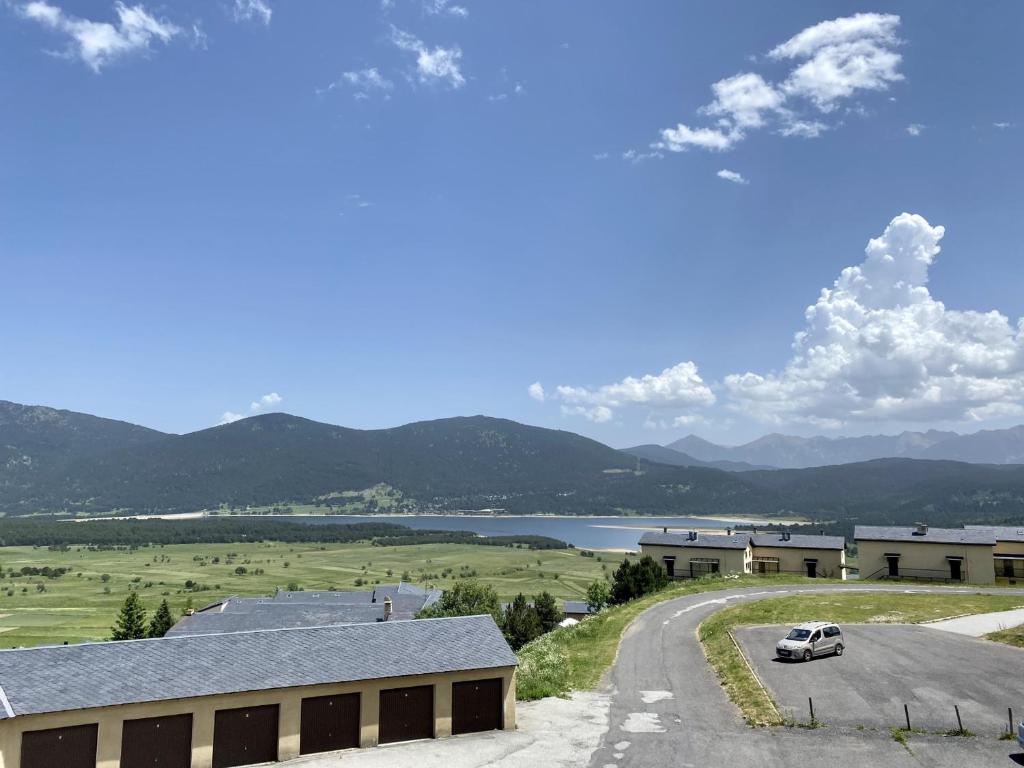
(521, 624)
(548, 611)
(162, 621)
(131, 622)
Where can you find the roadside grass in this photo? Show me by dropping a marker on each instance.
(81, 606)
(575, 658)
(1013, 636)
(742, 685)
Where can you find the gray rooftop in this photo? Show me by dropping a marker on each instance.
(799, 541)
(934, 535)
(1001, 532)
(575, 606)
(713, 540)
(60, 678)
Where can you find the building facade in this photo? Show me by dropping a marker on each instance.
(957, 555)
(693, 554)
(213, 701)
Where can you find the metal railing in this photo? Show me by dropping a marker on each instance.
(917, 574)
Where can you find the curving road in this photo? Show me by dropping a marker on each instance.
(668, 708)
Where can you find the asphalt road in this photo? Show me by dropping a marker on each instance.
(668, 708)
(887, 666)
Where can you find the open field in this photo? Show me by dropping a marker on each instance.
(855, 607)
(82, 604)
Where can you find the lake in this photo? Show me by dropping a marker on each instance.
(583, 532)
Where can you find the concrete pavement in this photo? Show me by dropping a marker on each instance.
(980, 624)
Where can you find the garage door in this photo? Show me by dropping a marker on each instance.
(406, 714)
(245, 736)
(157, 742)
(477, 706)
(329, 723)
(73, 747)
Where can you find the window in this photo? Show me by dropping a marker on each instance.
(702, 567)
(816, 637)
(831, 631)
(799, 634)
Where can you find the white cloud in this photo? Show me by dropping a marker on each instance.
(536, 391)
(805, 129)
(744, 100)
(256, 406)
(598, 414)
(253, 10)
(363, 83)
(601, 156)
(444, 8)
(832, 61)
(732, 176)
(841, 57)
(677, 387)
(915, 129)
(638, 157)
(99, 43)
(1002, 126)
(682, 137)
(879, 347)
(432, 64)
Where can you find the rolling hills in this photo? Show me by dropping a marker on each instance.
(58, 461)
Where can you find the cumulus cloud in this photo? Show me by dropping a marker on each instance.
(677, 387)
(915, 129)
(536, 391)
(1002, 126)
(98, 43)
(253, 10)
(433, 65)
(878, 347)
(733, 176)
(256, 406)
(831, 61)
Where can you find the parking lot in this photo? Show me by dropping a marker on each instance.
(887, 666)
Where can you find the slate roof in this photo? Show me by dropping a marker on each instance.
(305, 609)
(1001, 532)
(934, 535)
(575, 606)
(799, 541)
(714, 540)
(67, 677)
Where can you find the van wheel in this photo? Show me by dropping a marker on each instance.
(839, 649)
(807, 655)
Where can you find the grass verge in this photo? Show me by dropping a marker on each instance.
(854, 607)
(1013, 636)
(575, 658)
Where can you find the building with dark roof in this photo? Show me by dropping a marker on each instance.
(974, 554)
(693, 554)
(236, 698)
(386, 602)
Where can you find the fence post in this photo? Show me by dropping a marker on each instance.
(1009, 714)
(810, 703)
(959, 724)
(906, 714)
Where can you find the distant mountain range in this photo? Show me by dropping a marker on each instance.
(1000, 446)
(60, 461)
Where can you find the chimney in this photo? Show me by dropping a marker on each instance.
(387, 608)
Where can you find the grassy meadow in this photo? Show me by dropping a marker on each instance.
(82, 604)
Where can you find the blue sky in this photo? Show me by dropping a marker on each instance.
(370, 214)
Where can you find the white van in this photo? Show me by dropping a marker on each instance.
(815, 638)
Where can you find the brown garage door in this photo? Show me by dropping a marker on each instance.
(157, 742)
(406, 714)
(73, 747)
(245, 736)
(477, 706)
(329, 723)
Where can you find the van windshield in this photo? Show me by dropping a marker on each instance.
(799, 634)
